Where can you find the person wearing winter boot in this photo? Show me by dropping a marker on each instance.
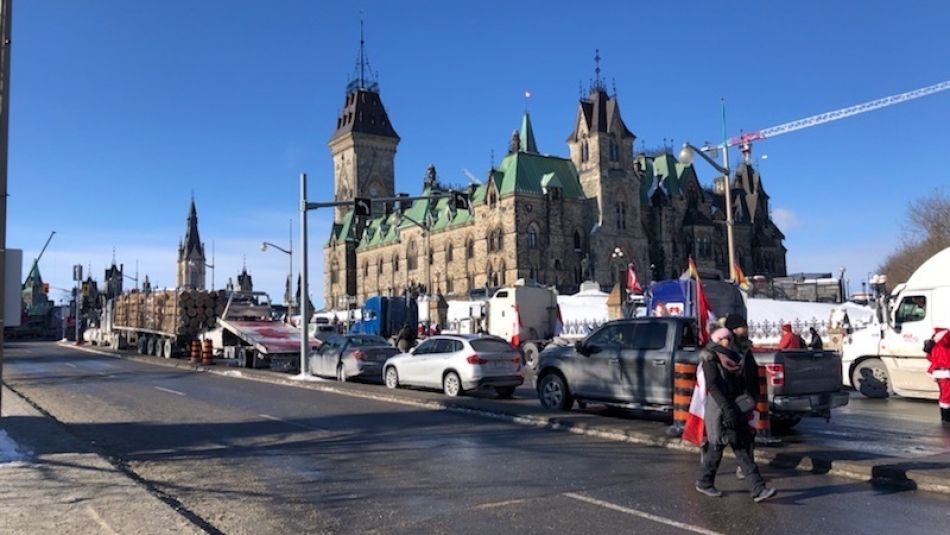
(938, 353)
(726, 417)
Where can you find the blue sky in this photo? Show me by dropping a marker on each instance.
(120, 110)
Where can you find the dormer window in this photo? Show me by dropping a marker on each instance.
(585, 151)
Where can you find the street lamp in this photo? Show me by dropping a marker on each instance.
(617, 255)
(686, 156)
(289, 251)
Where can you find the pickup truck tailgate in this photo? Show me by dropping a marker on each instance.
(808, 372)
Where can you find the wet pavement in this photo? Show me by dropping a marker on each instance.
(248, 456)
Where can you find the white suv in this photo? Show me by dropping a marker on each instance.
(456, 363)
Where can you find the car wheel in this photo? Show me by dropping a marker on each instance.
(870, 379)
(451, 384)
(505, 392)
(392, 377)
(531, 353)
(553, 393)
(341, 373)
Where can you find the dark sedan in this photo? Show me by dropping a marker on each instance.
(346, 356)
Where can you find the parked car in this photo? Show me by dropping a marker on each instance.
(345, 356)
(629, 363)
(456, 363)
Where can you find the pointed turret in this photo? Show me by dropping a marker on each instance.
(192, 243)
(526, 136)
(191, 254)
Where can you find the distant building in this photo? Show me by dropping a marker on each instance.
(191, 255)
(559, 221)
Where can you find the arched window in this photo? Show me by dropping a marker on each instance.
(431, 256)
(621, 209)
(500, 240)
(412, 256)
(395, 262)
(470, 249)
(577, 240)
(533, 236)
(379, 266)
(585, 152)
(448, 252)
(491, 240)
(365, 269)
(614, 149)
(501, 273)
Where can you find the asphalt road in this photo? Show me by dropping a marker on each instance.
(251, 457)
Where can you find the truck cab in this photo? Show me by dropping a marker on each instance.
(888, 356)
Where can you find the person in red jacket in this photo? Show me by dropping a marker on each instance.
(938, 353)
(789, 340)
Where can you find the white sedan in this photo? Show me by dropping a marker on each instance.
(456, 363)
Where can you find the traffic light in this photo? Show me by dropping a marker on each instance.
(362, 207)
(46, 287)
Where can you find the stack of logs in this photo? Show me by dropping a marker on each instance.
(179, 312)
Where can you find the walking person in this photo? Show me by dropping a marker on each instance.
(729, 402)
(816, 341)
(938, 353)
(406, 338)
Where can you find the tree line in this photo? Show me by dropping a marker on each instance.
(926, 232)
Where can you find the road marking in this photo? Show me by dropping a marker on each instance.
(170, 391)
(642, 514)
(70, 364)
(295, 424)
(500, 504)
(102, 523)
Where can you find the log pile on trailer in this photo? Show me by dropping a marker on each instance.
(184, 313)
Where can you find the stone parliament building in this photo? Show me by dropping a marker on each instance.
(555, 220)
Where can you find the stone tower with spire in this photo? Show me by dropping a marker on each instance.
(363, 146)
(191, 255)
(601, 148)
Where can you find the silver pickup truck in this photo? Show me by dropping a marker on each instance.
(629, 363)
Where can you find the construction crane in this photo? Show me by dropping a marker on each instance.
(37, 260)
(746, 138)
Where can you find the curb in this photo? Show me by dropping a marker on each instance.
(904, 474)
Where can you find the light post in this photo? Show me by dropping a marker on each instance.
(686, 156)
(289, 251)
(617, 256)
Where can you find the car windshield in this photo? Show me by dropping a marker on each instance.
(365, 341)
(489, 345)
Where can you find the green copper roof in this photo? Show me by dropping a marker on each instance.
(522, 172)
(665, 167)
(551, 180)
(527, 135)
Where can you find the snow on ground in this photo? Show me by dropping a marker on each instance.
(309, 378)
(9, 451)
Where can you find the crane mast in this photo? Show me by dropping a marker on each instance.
(843, 113)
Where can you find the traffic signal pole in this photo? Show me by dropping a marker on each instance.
(6, 20)
(362, 208)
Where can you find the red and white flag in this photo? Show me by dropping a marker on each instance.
(633, 283)
(695, 429)
(516, 333)
(558, 323)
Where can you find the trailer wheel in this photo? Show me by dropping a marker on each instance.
(167, 349)
(140, 345)
(870, 378)
(150, 346)
(531, 353)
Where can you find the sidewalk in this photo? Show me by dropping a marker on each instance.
(929, 473)
(58, 485)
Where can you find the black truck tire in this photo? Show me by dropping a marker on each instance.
(782, 423)
(531, 353)
(870, 378)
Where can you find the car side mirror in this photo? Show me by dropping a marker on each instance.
(581, 348)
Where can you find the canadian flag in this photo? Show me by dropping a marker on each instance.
(633, 283)
(516, 333)
(558, 323)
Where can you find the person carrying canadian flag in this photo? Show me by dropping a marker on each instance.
(720, 414)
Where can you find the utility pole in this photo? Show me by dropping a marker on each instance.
(6, 19)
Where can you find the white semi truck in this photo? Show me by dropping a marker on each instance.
(888, 356)
(528, 309)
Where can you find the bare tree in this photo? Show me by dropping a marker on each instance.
(926, 232)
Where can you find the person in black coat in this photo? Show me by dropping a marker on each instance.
(816, 342)
(732, 391)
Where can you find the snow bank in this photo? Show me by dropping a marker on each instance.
(9, 451)
(585, 306)
(761, 310)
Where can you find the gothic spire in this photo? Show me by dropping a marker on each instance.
(192, 242)
(526, 136)
(364, 78)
